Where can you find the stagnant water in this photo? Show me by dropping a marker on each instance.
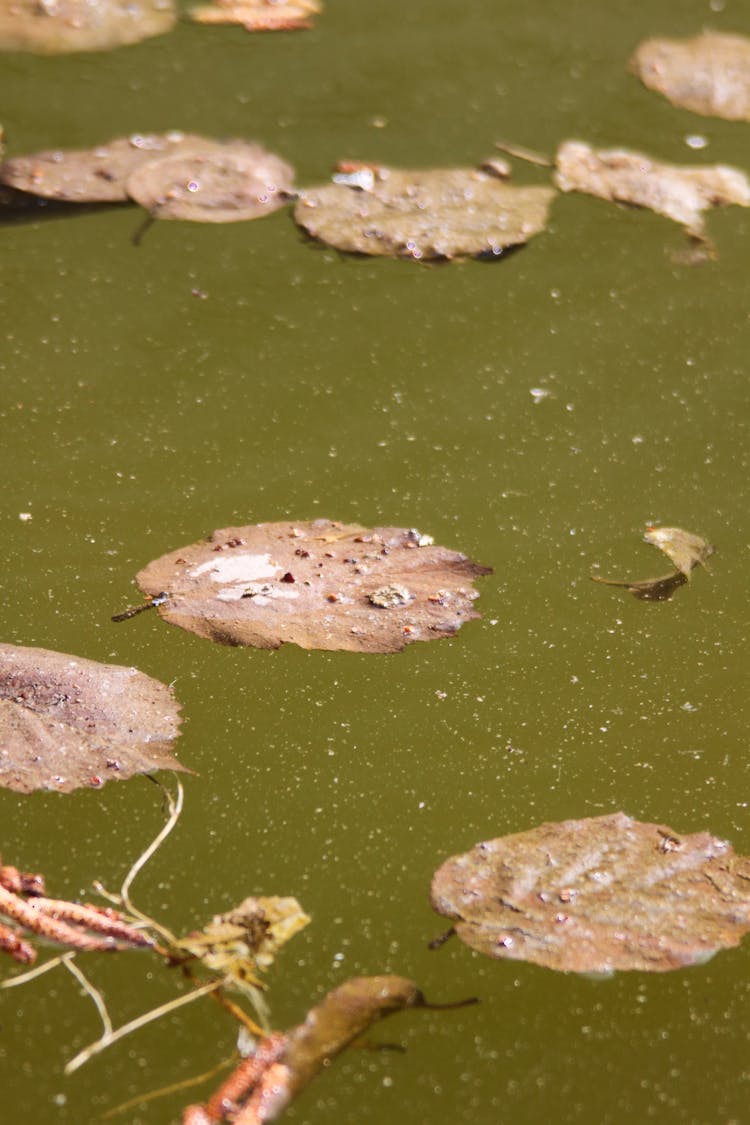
(137, 417)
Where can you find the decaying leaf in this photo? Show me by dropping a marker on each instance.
(260, 15)
(442, 213)
(647, 589)
(93, 175)
(597, 895)
(220, 182)
(236, 944)
(66, 722)
(708, 74)
(320, 585)
(52, 27)
(264, 1085)
(682, 548)
(678, 192)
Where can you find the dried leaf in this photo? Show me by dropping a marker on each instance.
(92, 175)
(678, 192)
(66, 722)
(320, 585)
(647, 589)
(246, 938)
(52, 27)
(598, 895)
(708, 74)
(443, 213)
(222, 182)
(683, 548)
(259, 15)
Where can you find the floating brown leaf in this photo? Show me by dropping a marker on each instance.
(237, 943)
(66, 722)
(678, 192)
(259, 15)
(92, 175)
(222, 182)
(708, 74)
(683, 548)
(283, 1065)
(442, 213)
(319, 585)
(52, 27)
(660, 589)
(598, 895)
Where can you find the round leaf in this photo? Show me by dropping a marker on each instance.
(223, 182)
(598, 895)
(443, 213)
(319, 585)
(67, 722)
(52, 27)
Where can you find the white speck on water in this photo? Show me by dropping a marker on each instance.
(696, 141)
(538, 394)
(24, 516)
(688, 707)
(637, 439)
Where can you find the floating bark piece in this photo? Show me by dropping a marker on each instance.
(681, 547)
(320, 585)
(67, 722)
(442, 213)
(708, 74)
(92, 175)
(647, 589)
(597, 895)
(222, 182)
(678, 192)
(52, 27)
(259, 15)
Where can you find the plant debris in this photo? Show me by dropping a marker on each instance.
(708, 74)
(52, 27)
(237, 943)
(682, 548)
(220, 182)
(72, 924)
(67, 722)
(597, 895)
(93, 175)
(259, 15)
(440, 213)
(264, 1085)
(313, 584)
(678, 192)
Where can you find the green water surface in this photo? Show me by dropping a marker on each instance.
(136, 416)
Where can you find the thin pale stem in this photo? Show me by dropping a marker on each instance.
(23, 978)
(93, 992)
(140, 1021)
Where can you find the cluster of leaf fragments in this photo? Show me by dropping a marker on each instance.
(428, 214)
(595, 895)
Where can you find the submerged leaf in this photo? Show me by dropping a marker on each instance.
(320, 585)
(648, 589)
(218, 182)
(92, 175)
(67, 722)
(246, 938)
(683, 548)
(442, 213)
(259, 15)
(708, 74)
(678, 192)
(52, 27)
(597, 895)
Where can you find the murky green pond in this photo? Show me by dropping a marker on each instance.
(137, 417)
